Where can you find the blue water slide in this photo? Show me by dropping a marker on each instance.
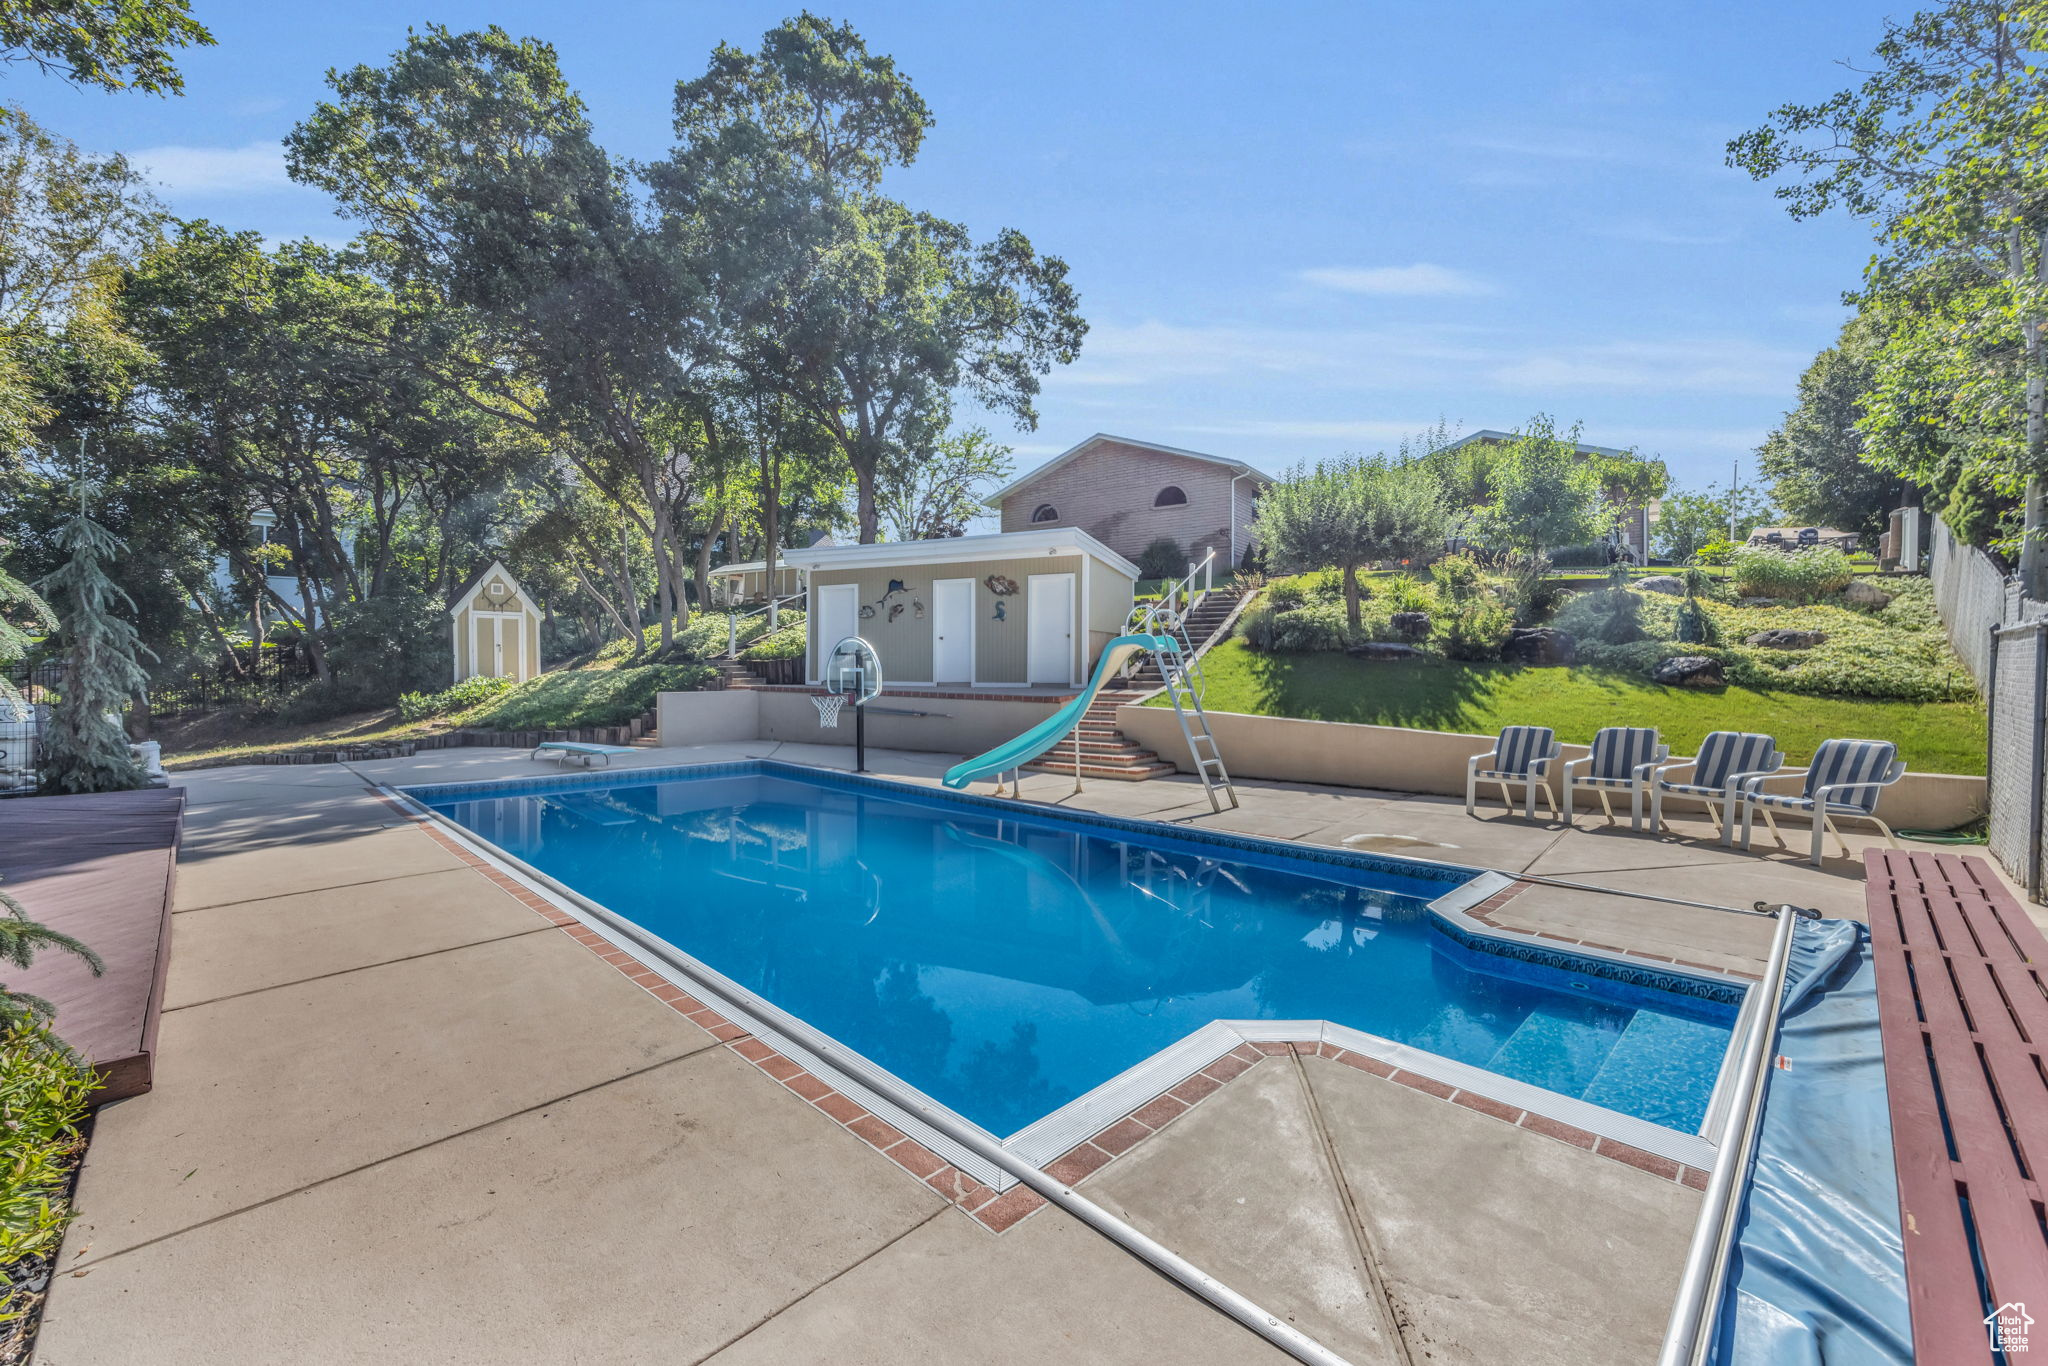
(1013, 754)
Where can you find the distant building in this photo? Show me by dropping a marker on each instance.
(1126, 494)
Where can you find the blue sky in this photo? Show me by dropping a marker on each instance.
(1297, 230)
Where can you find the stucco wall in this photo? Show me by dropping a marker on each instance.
(905, 644)
(1400, 760)
(1108, 490)
(704, 718)
(1109, 608)
(953, 725)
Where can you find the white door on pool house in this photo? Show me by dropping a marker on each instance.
(1049, 604)
(838, 618)
(952, 630)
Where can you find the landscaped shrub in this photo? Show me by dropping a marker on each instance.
(1474, 629)
(1404, 594)
(1457, 577)
(44, 1088)
(785, 642)
(1163, 559)
(572, 698)
(1714, 552)
(1609, 616)
(1286, 595)
(1591, 555)
(392, 644)
(1804, 576)
(1317, 626)
(470, 692)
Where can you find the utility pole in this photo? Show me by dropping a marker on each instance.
(1734, 480)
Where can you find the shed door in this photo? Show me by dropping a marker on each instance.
(953, 630)
(1049, 603)
(838, 618)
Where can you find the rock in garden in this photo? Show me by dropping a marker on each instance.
(1663, 583)
(1689, 671)
(1787, 639)
(1761, 602)
(1382, 649)
(1541, 645)
(1864, 593)
(1413, 625)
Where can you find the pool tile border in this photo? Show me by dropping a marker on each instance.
(998, 1211)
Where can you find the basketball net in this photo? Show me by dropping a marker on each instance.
(828, 710)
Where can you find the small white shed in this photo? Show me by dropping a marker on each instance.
(497, 628)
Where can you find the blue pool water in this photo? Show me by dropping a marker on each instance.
(1005, 962)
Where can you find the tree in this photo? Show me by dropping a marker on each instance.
(867, 314)
(1687, 521)
(1815, 458)
(1349, 513)
(112, 44)
(472, 166)
(1944, 149)
(936, 492)
(20, 940)
(21, 612)
(84, 748)
(1543, 494)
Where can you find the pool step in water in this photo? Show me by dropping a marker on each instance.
(1647, 1072)
(1558, 1051)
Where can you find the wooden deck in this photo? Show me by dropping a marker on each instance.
(1964, 1013)
(100, 868)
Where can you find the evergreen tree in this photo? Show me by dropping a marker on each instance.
(21, 612)
(84, 748)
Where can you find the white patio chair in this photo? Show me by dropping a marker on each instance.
(1727, 759)
(1522, 754)
(1623, 758)
(1846, 779)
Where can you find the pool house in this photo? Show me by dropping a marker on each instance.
(1015, 610)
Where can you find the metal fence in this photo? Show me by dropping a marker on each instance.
(2002, 637)
(243, 679)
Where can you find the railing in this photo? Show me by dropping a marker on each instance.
(733, 620)
(1690, 1334)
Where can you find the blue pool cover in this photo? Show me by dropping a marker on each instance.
(1818, 1277)
(1006, 959)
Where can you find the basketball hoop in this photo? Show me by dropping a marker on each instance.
(828, 710)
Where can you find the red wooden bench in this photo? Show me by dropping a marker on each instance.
(1963, 1008)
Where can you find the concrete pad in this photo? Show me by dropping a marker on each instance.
(249, 945)
(1049, 1291)
(1241, 1188)
(1489, 840)
(1719, 939)
(649, 1220)
(218, 868)
(1744, 884)
(1501, 1247)
(259, 1095)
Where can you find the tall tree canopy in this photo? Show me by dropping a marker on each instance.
(112, 44)
(1347, 514)
(1943, 148)
(1815, 458)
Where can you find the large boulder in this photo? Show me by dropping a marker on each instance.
(1412, 625)
(1864, 593)
(1689, 671)
(1541, 645)
(1785, 638)
(1663, 583)
(1382, 649)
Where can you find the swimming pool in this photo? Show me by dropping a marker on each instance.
(1005, 958)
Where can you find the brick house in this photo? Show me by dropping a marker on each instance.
(1126, 494)
(1636, 522)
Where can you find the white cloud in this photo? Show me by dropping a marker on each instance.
(1415, 279)
(1152, 352)
(1338, 429)
(1729, 366)
(255, 169)
(1662, 235)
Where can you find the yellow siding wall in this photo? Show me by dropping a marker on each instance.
(905, 644)
(1109, 607)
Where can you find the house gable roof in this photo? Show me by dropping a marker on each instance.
(1081, 448)
(476, 584)
(1000, 545)
(1490, 435)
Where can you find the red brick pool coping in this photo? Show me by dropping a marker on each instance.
(1001, 1211)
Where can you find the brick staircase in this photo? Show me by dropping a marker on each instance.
(1107, 752)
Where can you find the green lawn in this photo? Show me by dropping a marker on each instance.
(1937, 737)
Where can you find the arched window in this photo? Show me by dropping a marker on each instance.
(1046, 513)
(1170, 497)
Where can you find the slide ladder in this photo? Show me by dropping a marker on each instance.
(1182, 671)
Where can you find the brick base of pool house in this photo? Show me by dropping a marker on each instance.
(999, 1211)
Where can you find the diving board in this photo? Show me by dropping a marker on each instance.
(1962, 988)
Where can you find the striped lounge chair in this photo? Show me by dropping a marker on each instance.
(1727, 759)
(1623, 757)
(1522, 754)
(1846, 779)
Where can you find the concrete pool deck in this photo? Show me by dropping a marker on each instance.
(398, 1116)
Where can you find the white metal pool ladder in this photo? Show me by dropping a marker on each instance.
(1183, 689)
